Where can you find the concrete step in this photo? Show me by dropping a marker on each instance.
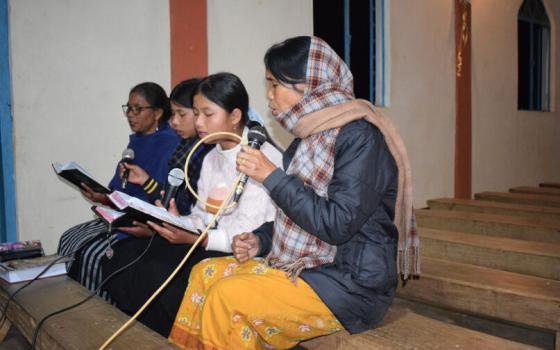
(545, 191)
(498, 208)
(519, 198)
(403, 329)
(550, 184)
(505, 226)
(540, 259)
(511, 297)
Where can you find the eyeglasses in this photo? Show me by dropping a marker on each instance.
(134, 109)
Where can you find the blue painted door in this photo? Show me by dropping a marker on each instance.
(7, 183)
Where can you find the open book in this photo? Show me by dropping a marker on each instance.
(136, 209)
(75, 174)
(27, 269)
(113, 217)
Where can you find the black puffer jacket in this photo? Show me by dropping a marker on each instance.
(359, 285)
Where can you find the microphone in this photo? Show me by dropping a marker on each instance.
(257, 136)
(174, 179)
(127, 157)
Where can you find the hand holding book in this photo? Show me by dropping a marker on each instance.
(77, 175)
(138, 210)
(121, 221)
(137, 229)
(93, 196)
(172, 233)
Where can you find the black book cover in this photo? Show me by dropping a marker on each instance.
(75, 174)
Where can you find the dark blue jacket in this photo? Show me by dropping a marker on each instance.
(357, 217)
(151, 153)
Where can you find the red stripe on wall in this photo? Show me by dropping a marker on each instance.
(463, 122)
(189, 39)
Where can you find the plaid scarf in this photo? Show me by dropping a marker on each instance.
(328, 82)
(327, 105)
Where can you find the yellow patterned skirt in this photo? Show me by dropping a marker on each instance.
(229, 305)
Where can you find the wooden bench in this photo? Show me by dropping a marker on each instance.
(89, 325)
(85, 327)
(403, 329)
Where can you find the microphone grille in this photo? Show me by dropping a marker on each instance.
(128, 154)
(257, 134)
(175, 177)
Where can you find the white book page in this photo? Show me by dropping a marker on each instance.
(59, 167)
(123, 200)
(109, 214)
(162, 214)
(119, 199)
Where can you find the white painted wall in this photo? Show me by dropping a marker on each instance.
(73, 64)
(510, 147)
(422, 91)
(422, 79)
(240, 32)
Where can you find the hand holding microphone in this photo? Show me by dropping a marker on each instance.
(127, 157)
(251, 162)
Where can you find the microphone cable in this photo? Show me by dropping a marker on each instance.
(51, 264)
(200, 239)
(92, 294)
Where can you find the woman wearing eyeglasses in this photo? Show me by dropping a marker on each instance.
(153, 141)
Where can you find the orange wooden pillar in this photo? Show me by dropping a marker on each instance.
(189, 39)
(463, 128)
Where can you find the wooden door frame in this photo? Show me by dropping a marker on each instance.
(463, 118)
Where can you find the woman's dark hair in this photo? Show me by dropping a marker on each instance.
(156, 97)
(227, 91)
(287, 61)
(184, 91)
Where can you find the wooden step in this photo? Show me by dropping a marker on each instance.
(520, 198)
(545, 191)
(541, 338)
(540, 259)
(508, 296)
(403, 329)
(523, 228)
(498, 208)
(550, 184)
(85, 327)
